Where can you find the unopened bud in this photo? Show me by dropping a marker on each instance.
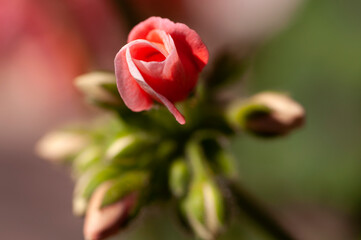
(87, 184)
(268, 114)
(59, 146)
(179, 177)
(128, 182)
(204, 209)
(102, 222)
(99, 87)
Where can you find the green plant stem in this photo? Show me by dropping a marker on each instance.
(257, 212)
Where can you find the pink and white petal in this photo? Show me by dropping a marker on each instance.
(132, 94)
(168, 77)
(161, 37)
(197, 47)
(186, 39)
(151, 68)
(145, 86)
(142, 29)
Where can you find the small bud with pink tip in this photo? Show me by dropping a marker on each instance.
(267, 114)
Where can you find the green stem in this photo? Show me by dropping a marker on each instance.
(258, 212)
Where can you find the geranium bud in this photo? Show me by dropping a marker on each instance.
(204, 209)
(161, 62)
(59, 146)
(268, 114)
(99, 87)
(102, 222)
(87, 184)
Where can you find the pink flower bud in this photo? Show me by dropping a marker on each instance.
(161, 62)
(284, 114)
(102, 222)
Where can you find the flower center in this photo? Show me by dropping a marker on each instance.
(147, 53)
(159, 53)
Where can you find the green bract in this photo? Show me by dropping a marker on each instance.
(125, 184)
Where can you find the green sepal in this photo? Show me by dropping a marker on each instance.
(241, 113)
(165, 149)
(226, 164)
(204, 209)
(127, 146)
(127, 183)
(98, 178)
(218, 204)
(99, 88)
(198, 162)
(88, 182)
(111, 88)
(214, 147)
(193, 204)
(179, 177)
(86, 159)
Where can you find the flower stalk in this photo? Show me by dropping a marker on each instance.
(257, 212)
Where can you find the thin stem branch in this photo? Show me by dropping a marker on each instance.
(254, 209)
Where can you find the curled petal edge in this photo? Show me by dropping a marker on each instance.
(145, 86)
(132, 94)
(181, 32)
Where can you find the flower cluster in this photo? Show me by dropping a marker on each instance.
(124, 162)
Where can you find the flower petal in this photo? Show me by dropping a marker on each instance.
(167, 77)
(145, 86)
(186, 39)
(132, 94)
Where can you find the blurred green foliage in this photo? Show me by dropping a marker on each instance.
(318, 61)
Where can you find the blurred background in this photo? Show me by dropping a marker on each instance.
(308, 48)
